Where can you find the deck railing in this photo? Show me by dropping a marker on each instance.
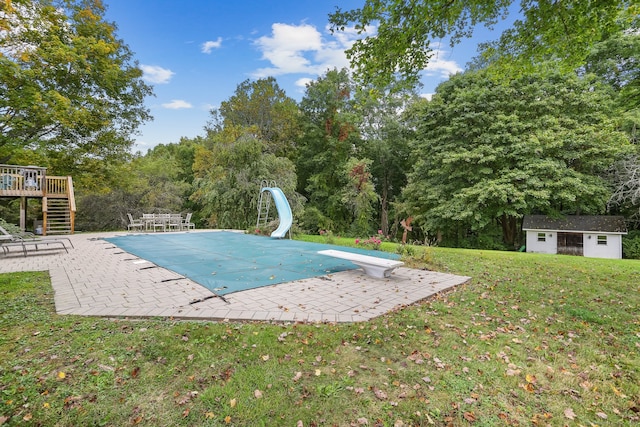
(32, 181)
(22, 180)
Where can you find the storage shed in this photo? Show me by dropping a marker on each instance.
(584, 235)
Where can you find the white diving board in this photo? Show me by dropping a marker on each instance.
(372, 266)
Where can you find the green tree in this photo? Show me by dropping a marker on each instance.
(385, 142)
(228, 171)
(549, 29)
(617, 61)
(330, 123)
(262, 107)
(491, 152)
(69, 85)
(359, 195)
(157, 182)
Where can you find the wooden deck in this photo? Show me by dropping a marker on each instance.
(33, 182)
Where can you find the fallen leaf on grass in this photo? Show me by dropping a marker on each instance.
(380, 394)
(513, 372)
(469, 416)
(71, 402)
(568, 413)
(618, 392)
(257, 394)
(186, 398)
(297, 376)
(233, 403)
(135, 372)
(601, 415)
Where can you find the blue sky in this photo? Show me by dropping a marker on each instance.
(195, 53)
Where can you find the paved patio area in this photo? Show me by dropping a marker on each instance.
(96, 278)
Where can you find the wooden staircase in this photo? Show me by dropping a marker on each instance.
(56, 192)
(58, 214)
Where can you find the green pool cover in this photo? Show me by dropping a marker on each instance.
(226, 262)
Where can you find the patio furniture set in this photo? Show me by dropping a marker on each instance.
(161, 222)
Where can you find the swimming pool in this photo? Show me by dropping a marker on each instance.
(226, 262)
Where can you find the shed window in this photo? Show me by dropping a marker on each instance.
(542, 237)
(602, 240)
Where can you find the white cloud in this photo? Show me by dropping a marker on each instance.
(208, 46)
(177, 104)
(156, 74)
(303, 82)
(302, 49)
(439, 65)
(443, 68)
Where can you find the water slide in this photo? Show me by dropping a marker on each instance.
(284, 211)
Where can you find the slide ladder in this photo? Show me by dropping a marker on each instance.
(270, 193)
(264, 203)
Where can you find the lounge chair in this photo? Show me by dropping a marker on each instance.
(8, 240)
(135, 223)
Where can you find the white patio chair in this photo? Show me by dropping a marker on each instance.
(135, 224)
(160, 221)
(175, 222)
(187, 224)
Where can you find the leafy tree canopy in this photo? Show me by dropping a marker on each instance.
(489, 151)
(617, 61)
(330, 123)
(562, 30)
(68, 83)
(228, 176)
(263, 108)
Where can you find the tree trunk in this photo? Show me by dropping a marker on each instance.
(509, 229)
(384, 212)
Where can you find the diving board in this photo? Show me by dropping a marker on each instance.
(372, 266)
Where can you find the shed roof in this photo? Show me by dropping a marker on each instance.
(601, 223)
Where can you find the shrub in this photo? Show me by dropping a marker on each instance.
(372, 242)
(631, 245)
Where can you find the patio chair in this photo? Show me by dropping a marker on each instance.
(135, 223)
(160, 221)
(147, 219)
(6, 182)
(8, 240)
(186, 223)
(175, 222)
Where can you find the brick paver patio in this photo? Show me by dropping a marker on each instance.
(97, 278)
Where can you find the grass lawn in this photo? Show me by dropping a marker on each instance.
(531, 340)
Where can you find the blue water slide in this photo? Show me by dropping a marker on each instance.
(284, 212)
